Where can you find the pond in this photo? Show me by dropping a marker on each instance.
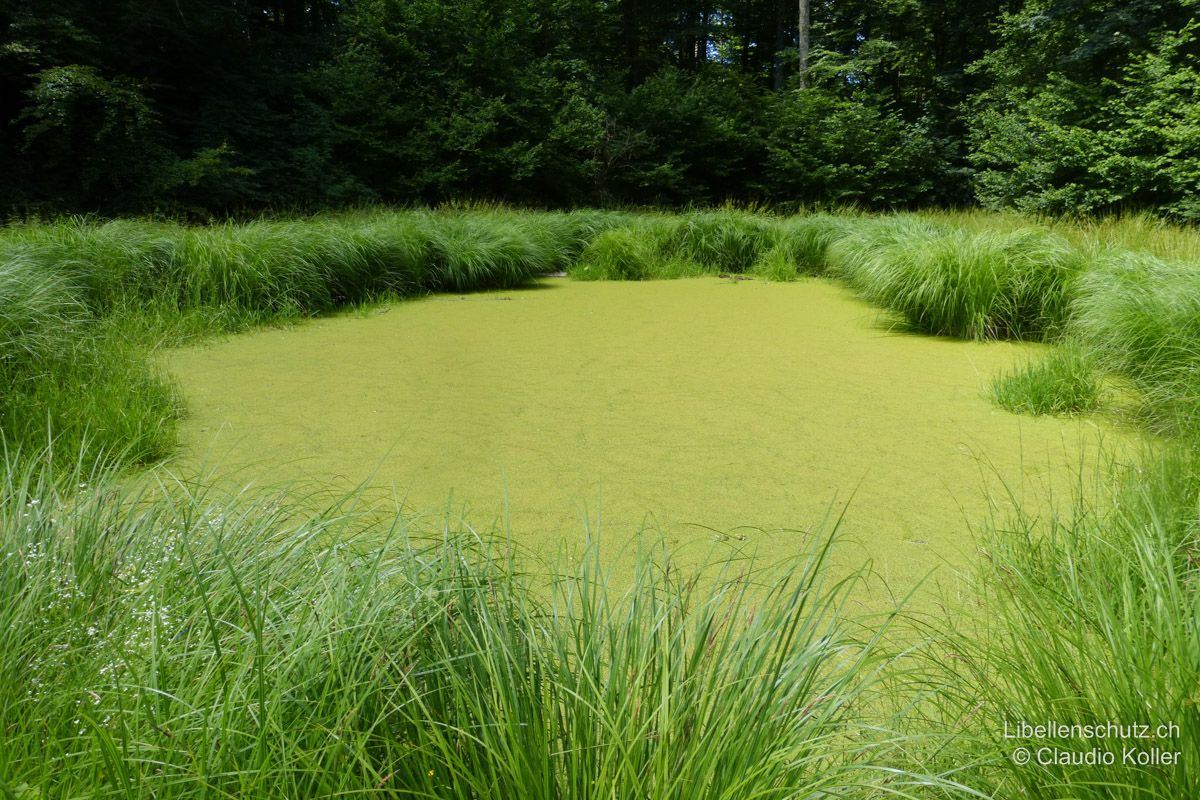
(722, 416)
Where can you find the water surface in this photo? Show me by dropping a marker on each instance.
(721, 415)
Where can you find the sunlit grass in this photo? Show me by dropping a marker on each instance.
(182, 643)
(1141, 318)
(82, 302)
(952, 281)
(1088, 617)
(1063, 380)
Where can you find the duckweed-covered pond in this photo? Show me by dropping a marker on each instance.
(716, 414)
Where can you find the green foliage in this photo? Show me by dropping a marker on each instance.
(1079, 122)
(181, 644)
(195, 108)
(436, 101)
(1088, 618)
(1141, 318)
(684, 138)
(1062, 381)
(973, 284)
(1153, 145)
(828, 149)
(190, 108)
(81, 129)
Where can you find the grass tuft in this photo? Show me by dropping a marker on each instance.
(1062, 381)
(1087, 618)
(1141, 318)
(951, 281)
(623, 254)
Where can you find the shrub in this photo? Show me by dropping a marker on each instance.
(826, 148)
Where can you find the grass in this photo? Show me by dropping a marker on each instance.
(950, 281)
(1062, 381)
(657, 246)
(621, 254)
(1089, 617)
(68, 378)
(183, 644)
(82, 302)
(1141, 318)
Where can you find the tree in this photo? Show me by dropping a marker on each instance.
(128, 105)
(802, 40)
(1091, 108)
(827, 149)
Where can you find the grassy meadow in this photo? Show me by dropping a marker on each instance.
(170, 638)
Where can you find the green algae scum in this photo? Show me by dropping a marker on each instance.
(721, 415)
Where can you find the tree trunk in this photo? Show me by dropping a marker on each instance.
(802, 41)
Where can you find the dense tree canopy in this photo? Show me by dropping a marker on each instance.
(1091, 107)
(195, 107)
